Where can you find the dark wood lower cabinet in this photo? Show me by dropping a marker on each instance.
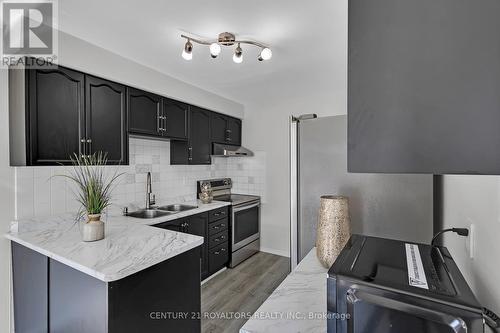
(213, 226)
(52, 297)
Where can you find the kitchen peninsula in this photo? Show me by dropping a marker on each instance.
(139, 278)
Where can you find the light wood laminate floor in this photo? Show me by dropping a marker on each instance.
(240, 289)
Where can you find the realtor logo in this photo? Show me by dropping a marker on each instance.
(29, 29)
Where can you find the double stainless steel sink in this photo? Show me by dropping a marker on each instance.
(160, 211)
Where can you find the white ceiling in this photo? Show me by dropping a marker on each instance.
(308, 40)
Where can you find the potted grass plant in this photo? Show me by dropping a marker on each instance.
(93, 191)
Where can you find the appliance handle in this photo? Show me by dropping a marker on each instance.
(240, 208)
(355, 295)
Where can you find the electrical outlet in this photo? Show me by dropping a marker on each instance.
(471, 239)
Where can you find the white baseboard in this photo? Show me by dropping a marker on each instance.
(276, 252)
(213, 275)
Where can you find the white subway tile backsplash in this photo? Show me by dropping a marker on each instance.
(40, 192)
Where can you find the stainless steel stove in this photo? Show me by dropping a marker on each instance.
(245, 219)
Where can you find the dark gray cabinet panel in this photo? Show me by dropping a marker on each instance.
(74, 296)
(424, 82)
(175, 119)
(55, 113)
(145, 112)
(172, 286)
(30, 282)
(106, 119)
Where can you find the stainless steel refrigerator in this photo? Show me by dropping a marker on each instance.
(386, 205)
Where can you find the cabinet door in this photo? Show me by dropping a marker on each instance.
(218, 126)
(233, 131)
(200, 145)
(197, 225)
(175, 225)
(175, 119)
(55, 114)
(144, 111)
(106, 124)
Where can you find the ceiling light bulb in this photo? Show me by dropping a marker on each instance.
(238, 55)
(187, 53)
(215, 50)
(265, 54)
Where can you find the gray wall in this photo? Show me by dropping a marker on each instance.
(393, 206)
(475, 200)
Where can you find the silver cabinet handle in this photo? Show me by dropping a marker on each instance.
(89, 142)
(190, 153)
(82, 147)
(158, 128)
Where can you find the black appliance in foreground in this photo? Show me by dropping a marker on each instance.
(245, 219)
(390, 286)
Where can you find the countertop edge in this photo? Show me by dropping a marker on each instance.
(103, 277)
(15, 235)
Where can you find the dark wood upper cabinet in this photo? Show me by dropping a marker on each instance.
(233, 131)
(68, 113)
(225, 129)
(145, 112)
(198, 148)
(218, 126)
(175, 119)
(200, 145)
(106, 119)
(55, 114)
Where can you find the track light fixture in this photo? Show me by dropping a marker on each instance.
(238, 55)
(225, 39)
(187, 53)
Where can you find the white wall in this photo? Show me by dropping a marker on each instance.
(476, 199)
(6, 204)
(308, 89)
(81, 55)
(266, 128)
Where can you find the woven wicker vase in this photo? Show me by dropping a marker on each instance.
(334, 228)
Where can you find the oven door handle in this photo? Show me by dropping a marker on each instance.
(240, 208)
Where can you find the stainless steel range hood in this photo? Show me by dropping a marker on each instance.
(230, 151)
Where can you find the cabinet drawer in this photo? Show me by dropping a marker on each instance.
(218, 214)
(218, 226)
(218, 257)
(218, 239)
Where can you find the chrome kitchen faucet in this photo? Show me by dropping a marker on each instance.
(150, 197)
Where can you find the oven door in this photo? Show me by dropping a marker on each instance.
(245, 225)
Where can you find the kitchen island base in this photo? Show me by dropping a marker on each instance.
(52, 297)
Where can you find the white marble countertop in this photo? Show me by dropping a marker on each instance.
(130, 244)
(297, 305)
